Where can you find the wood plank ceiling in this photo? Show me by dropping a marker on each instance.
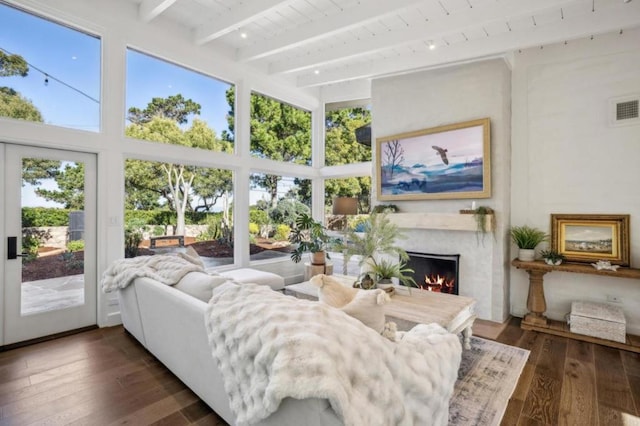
(319, 42)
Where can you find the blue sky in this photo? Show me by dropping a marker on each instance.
(68, 55)
(148, 77)
(74, 58)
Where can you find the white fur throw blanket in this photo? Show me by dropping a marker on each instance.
(270, 346)
(166, 268)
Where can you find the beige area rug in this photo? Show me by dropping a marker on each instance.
(488, 375)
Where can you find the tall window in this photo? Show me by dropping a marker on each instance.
(275, 201)
(347, 133)
(49, 73)
(347, 141)
(356, 187)
(165, 101)
(280, 131)
(172, 204)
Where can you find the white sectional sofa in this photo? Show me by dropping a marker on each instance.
(273, 345)
(170, 324)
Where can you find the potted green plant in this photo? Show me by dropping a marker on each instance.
(480, 215)
(527, 239)
(551, 257)
(377, 235)
(384, 271)
(310, 236)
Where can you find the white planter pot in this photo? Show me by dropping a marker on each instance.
(384, 284)
(526, 255)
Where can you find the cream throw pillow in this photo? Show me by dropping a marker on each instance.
(367, 306)
(364, 305)
(200, 285)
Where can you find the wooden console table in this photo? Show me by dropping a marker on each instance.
(537, 305)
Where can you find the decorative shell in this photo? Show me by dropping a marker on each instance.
(605, 265)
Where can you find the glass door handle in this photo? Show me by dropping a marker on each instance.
(12, 249)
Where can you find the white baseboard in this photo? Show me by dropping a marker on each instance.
(113, 319)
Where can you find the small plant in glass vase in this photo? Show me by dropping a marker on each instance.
(552, 257)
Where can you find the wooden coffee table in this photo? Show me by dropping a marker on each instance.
(454, 313)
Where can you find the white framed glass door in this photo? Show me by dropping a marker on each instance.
(50, 278)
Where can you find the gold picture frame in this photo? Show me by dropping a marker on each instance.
(445, 162)
(591, 237)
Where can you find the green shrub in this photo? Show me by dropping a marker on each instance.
(139, 216)
(166, 217)
(132, 239)
(67, 256)
(158, 231)
(77, 245)
(287, 210)
(253, 228)
(282, 233)
(44, 216)
(133, 235)
(32, 240)
(259, 217)
(213, 231)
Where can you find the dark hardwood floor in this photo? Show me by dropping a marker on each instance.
(97, 377)
(104, 376)
(569, 382)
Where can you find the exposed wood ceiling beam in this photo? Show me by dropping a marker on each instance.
(323, 28)
(474, 18)
(235, 18)
(483, 48)
(150, 9)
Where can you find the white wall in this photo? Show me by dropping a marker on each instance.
(567, 158)
(444, 96)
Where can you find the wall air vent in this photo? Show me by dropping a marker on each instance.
(625, 110)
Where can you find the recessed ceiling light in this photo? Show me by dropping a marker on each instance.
(316, 72)
(432, 45)
(243, 35)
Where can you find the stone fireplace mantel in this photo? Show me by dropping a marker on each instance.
(442, 221)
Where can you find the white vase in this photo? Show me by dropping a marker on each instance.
(384, 283)
(526, 255)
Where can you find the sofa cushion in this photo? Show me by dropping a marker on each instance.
(255, 276)
(200, 285)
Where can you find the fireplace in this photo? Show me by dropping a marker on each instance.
(435, 272)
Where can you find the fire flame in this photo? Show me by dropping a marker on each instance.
(438, 283)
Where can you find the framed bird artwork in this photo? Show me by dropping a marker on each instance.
(445, 162)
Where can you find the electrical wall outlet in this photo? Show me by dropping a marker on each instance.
(614, 299)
